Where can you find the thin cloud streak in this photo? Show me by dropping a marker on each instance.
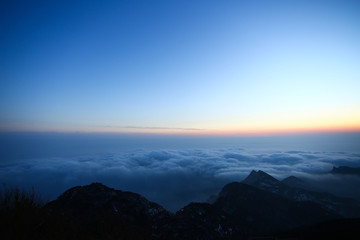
(166, 128)
(151, 128)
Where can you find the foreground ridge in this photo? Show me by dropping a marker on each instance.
(256, 207)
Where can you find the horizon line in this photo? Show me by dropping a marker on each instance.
(156, 131)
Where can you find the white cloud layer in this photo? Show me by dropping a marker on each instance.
(169, 177)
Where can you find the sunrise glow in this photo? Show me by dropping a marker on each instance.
(249, 69)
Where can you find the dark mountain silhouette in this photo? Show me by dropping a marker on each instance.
(201, 221)
(239, 211)
(295, 182)
(257, 207)
(343, 206)
(99, 207)
(267, 211)
(345, 170)
(262, 180)
(98, 201)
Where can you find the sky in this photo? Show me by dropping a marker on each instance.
(180, 67)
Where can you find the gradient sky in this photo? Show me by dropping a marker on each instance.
(180, 66)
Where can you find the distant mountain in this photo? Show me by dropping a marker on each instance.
(345, 170)
(343, 206)
(295, 182)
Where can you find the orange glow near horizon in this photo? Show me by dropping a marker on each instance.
(268, 125)
(289, 131)
(245, 131)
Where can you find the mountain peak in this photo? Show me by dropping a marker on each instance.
(92, 190)
(260, 178)
(98, 201)
(294, 182)
(97, 184)
(258, 172)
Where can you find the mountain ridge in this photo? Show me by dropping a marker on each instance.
(344, 206)
(239, 211)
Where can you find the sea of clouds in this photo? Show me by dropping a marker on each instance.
(174, 178)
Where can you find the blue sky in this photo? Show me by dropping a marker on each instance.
(179, 66)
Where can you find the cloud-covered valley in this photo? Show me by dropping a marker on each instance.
(172, 177)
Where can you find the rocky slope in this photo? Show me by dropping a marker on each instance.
(342, 206)
(97, 207)
(260, 206)
(239, 211)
